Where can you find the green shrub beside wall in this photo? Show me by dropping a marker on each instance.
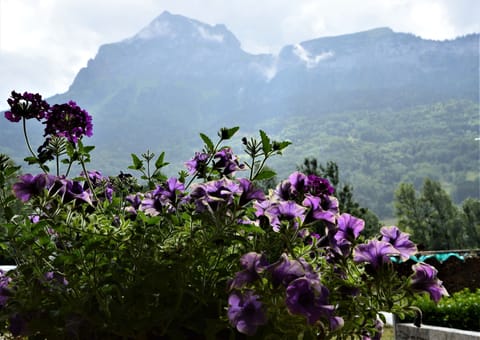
(461, 310)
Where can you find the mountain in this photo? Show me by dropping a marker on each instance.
(177, 77)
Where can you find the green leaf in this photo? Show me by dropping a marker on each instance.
(266, 146)
(265, 174)
(208, 142)
(232, 131)
(137, 163)
(160, 161)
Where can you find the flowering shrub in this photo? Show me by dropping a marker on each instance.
(206, 254)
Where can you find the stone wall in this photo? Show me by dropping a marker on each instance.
(408, 331)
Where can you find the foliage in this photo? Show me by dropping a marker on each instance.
(377, 150)
(461, 310)
(433, 219)
(205, 254)
(343, 192)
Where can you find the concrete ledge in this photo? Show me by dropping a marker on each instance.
(408, 331)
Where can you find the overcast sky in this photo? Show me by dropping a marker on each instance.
(44, 43)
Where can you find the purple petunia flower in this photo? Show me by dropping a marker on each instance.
(56, 278)
(210, 194)
(377, 334)
(134, 200)
(226, 162)
(276, 212)
(246, 312)
(349, 228)
(4, 291)
(253, 264)
(400, 241)
(30, 185)
(27, 106)
(375, 252)
(249, 192)
(69, 121)
(308, 298)
(166, 195)
(425, 280)
(285, 271)
(321, 208)
(197, 163)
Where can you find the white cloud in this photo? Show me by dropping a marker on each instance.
(61, 35)
(305, 56)
(205, 34)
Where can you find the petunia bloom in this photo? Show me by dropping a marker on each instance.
(286, 270)
(310, 299)
(226, 162)
(425, 280)
(375, 252)
(349, 228)
(253, 264)
(246, 312)
(4, 291)
(197, 163)
(69, 121)
(30, 185)
(400, 241)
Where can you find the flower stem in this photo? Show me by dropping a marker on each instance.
(27, 141)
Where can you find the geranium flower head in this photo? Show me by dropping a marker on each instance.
(27, 106)
(375, 252)
(246, 312)
(319, 186)
(69, 121)
(425, 280)
(400, 241)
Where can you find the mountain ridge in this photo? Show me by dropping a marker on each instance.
(177, 77)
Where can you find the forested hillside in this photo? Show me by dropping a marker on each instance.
(376, 150)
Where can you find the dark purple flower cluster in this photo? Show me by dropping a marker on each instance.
(425, 280)
(26, 106)
(304, 293)
(69, 121)
(61, 120)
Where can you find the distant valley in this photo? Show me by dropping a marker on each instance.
(388, 107)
